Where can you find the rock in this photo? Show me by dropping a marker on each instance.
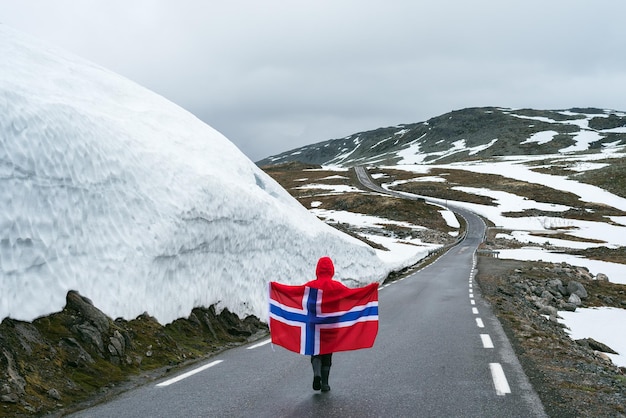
(85, 308)
(575, 287)
(583, 272)
(9, 398)
(76, 354)
(574, 299)
(54, 394)
(15, 379)
(547, 296)
(596, 345)
(548, 310)
(28, 336)
(601, 277)
(522, 287)
(565, 306)
(556, 285)
(90, 334)
(603, 356)
(608, 300)
(118, 343)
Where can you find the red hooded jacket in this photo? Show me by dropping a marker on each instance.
(325, 271)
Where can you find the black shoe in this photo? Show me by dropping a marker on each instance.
(325, 388)
(317, 383)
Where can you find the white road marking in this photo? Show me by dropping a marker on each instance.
(189, 373)
(479, 322)
(470, 285)
(499, 379)
(475, 311)
(262, 343)
(473, 302)
(487, 343)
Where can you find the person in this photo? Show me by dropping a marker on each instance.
(321, 364)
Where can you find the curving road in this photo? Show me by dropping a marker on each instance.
(440, 352)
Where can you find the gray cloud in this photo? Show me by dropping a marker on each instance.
(275, 75)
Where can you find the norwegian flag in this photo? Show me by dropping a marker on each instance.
(313, 321)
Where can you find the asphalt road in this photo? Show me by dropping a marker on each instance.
(440, 352)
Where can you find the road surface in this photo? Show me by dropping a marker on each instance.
(440, 352)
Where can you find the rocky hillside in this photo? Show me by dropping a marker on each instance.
(474, 133)
(80, 355)
(574, 378)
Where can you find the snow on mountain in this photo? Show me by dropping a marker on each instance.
(473, 133)
(111, 190)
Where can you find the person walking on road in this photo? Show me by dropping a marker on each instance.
(324, 272)
(322, 317)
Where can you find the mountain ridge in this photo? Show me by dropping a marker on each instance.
(466, 134)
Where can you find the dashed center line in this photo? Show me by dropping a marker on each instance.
(475, 311)
(479, 322)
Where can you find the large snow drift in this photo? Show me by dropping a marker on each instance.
(109, 189)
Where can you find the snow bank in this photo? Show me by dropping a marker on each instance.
(111, 190)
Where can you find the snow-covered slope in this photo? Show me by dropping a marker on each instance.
(111, 190)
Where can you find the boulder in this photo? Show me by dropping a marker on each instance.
(117, 346)
(556, 285)
(574, 299)
(54, 394)
(574, 287)
(566, 306)
(87, 310)
(548, 310)
(596, 345)
(584, 273)
(547, 296)
(89, 334)
(601, 277)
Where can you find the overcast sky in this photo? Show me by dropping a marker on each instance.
(275, 75)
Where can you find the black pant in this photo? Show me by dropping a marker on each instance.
(326, 359)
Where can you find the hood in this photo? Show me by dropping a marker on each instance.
(325, 269)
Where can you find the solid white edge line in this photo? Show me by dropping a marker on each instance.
(487, 343)
(257, 345)
(499, 379)
(189, 373)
